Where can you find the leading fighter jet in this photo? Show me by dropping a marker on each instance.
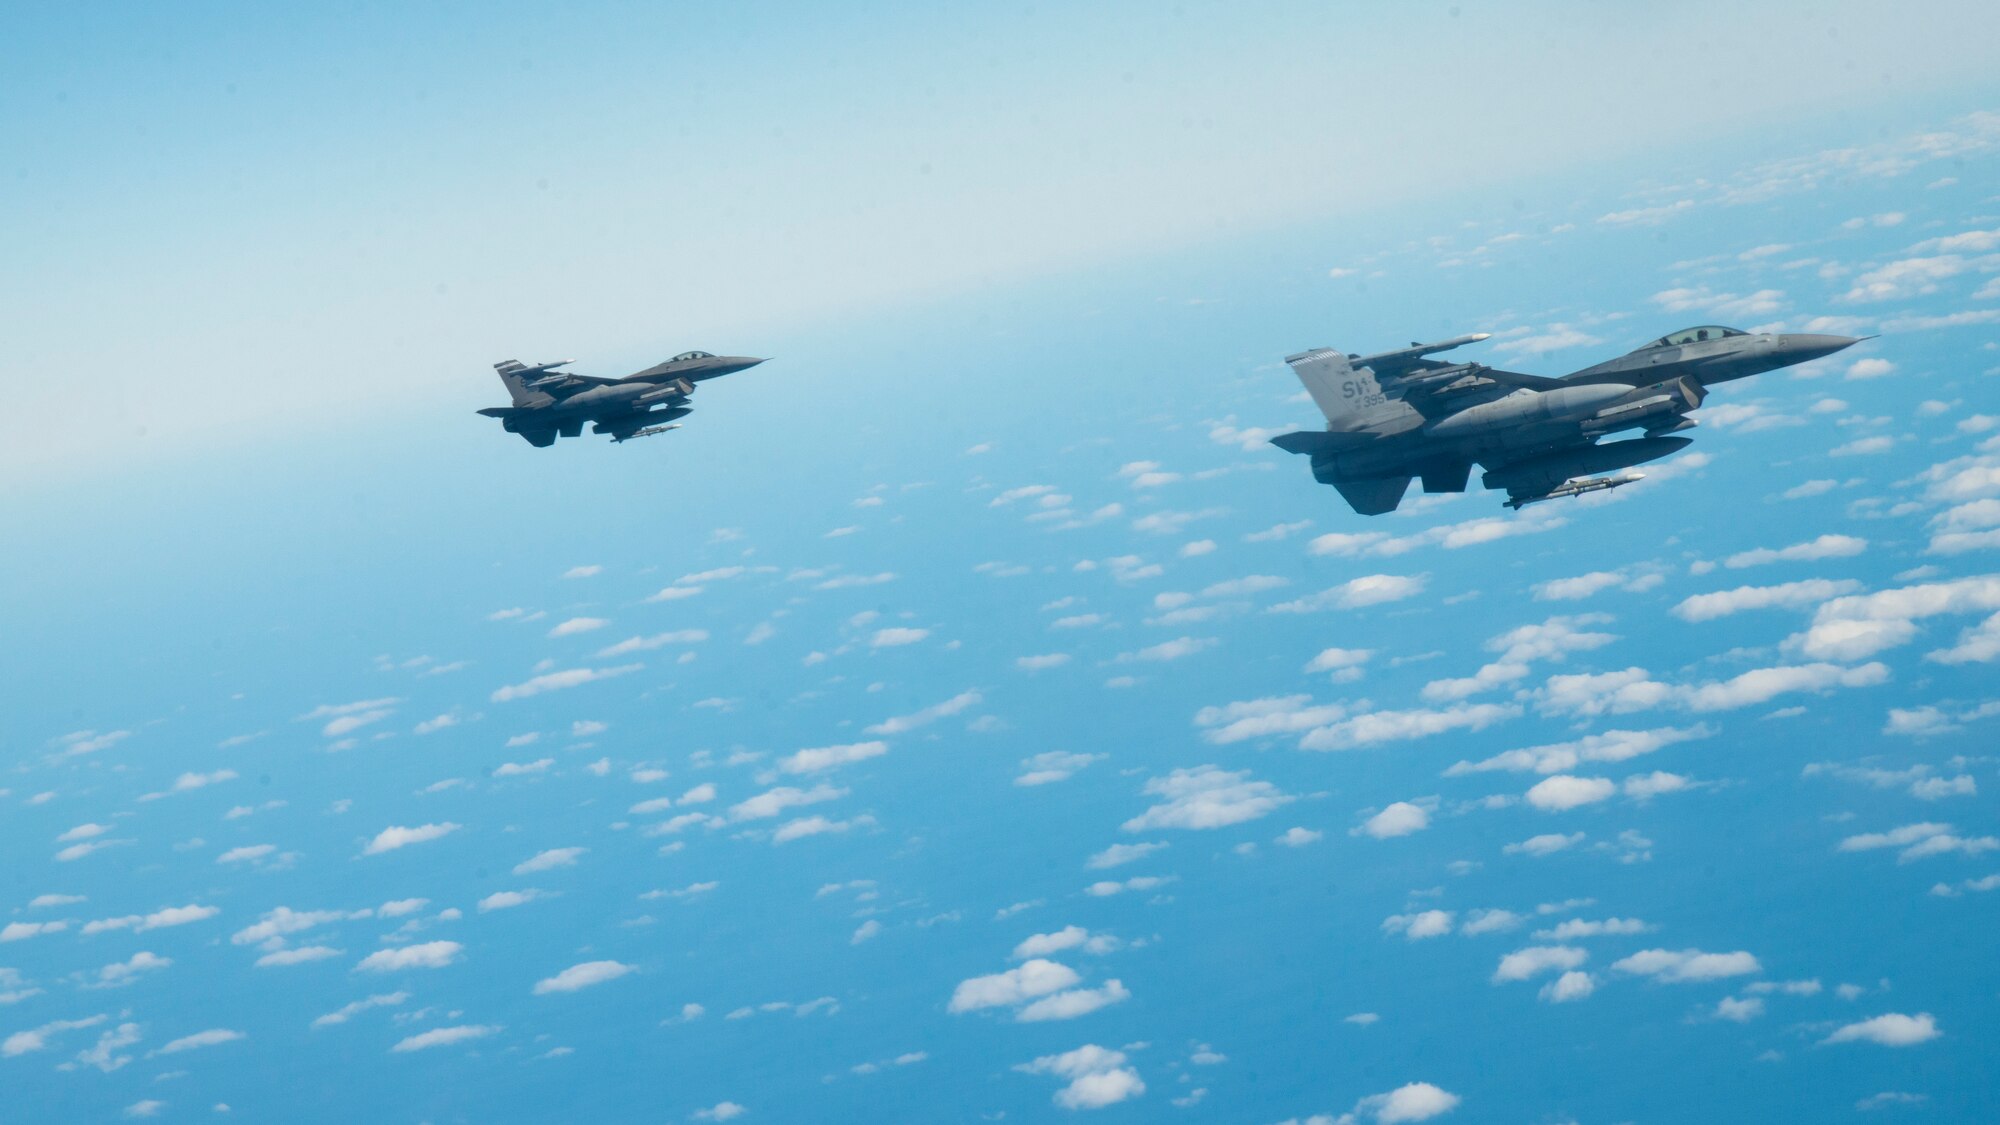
(549, 401)
(1399, 415)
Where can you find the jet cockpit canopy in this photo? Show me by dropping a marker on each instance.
(711, 355)
(1695, 335)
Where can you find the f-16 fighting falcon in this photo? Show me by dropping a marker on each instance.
(548, 401)
(1399, 415)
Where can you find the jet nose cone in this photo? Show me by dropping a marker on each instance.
(1809, 346)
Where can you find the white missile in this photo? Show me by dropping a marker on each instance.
(1576, 487)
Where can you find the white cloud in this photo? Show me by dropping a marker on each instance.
(721, 1111)
(1863, 447)
(1533, 961)
(425, 955)
(818, 759)
(1398, 819)
(1824, 547)
(897, 636)
(577, 625)
(549, 860)
(158, 919)
(1416, 927)
(1546, 844)
(1787, 595)
(1176, 649)
(581, 976)
(775, 801)
(210, 1038)
(816, 826)
(1563, 792)
(389, 839)
(1906, 277)
(36, 1039)
(1762, 684)
(523, 769)
(444, 1037)
(296, 955)
(1738, 1009)
(1646, 216)
(1109, 887)
(1370, 589)
(1299, 837)
(349, 1011)
(931, 714)
(1415, 1101)
(1570, 986)
(1684, 965)
(1097, 1077)
(1259, 718)
(1590, 694)
(1891, 1030)
(1394, 726)
(1034, 978)
(657, 640)
(1557, 337)
(1578, 588)
(1041, 945)
(1919, 841)
(1070, 1004)
(1344, 663)
(1727, 306)
(1206, 797)
(1117, 855)
(1646, 786)
(122, 972)
(1051, 766)
(281, 921)
(1572, 928)
(1851, 628)
(557, 681)
(1609, 746)
(1489, 922)
(436, 724)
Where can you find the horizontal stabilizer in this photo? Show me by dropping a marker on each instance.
(1373, 497)
(1320, 441)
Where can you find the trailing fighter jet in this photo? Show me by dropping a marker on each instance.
(1399, 415)
(549, 401)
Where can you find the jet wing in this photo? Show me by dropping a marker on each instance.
(562, 384)
(1434, 388)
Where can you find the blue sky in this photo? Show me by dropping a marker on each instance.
(966, 713)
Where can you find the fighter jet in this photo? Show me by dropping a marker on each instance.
(1399, 415)
(549, 401)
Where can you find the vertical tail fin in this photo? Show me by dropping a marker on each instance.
(510, 374)
(1348, 396)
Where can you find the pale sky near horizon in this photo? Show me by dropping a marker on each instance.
(243, 218)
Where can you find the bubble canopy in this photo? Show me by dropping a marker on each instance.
(1696, 335)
